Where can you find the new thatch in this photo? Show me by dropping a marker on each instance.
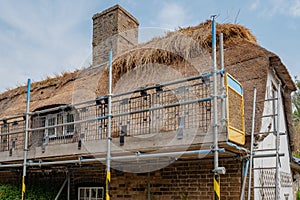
(179, 47)
(187, 51)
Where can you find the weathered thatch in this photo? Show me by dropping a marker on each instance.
(42, 93)
(63, 89)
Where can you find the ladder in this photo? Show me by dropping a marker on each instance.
(268, 181)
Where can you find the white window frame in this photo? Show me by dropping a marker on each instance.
(64, 128)
(65, 119)
(48, 117)
(88, 196)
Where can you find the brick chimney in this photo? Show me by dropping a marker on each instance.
(113, 29)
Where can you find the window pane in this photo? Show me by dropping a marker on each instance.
(70, 128)
(93, 192)
(51, 132)
(81, 192)
(87, 193)
(90, 193)
(70, 117)
(60, 120)
(100, 193)
(50, 122)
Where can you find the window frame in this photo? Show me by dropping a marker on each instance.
(89, 197)
(57, 121)
(47, 118)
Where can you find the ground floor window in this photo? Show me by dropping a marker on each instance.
(90, 193)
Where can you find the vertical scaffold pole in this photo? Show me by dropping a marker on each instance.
(251, 145)
(223, 99)
(215, 107)
(277, 142)
(108, 153)
(26, 140)
(242, 197)
(69, 185)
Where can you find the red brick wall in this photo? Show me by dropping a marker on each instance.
(193, 180)
(180, 180)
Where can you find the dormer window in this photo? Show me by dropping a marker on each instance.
(57, 119)
(53, 120)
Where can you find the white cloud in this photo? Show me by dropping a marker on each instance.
(270, 8)
(172, 15)
(254, 4)
(295, 8)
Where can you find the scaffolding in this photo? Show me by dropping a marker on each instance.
(150, 110)
(267, 185)
(178, 108)
(172, 106)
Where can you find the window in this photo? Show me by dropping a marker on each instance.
(69, 128)
(51, 121)
(90, 193)
(57, 119)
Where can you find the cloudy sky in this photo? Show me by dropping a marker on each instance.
(46, 37)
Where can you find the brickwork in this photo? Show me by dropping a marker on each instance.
(191, 180)
(11, 176)
(181, 180)
(113, 29)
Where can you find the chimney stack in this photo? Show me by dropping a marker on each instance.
(113, 29)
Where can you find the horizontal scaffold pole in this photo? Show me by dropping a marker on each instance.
(209, 74)
(120, 114)
(115, 158)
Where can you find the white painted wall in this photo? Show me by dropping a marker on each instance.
(269, 142)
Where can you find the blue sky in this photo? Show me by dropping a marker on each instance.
(40, 38)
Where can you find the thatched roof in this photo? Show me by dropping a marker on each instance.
(185, 51)
(188, 50)
(180, 47)
(63, 89)
(46, 92)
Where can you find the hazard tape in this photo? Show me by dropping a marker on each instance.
(217, 187)
(108, 186)
(23, 187)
